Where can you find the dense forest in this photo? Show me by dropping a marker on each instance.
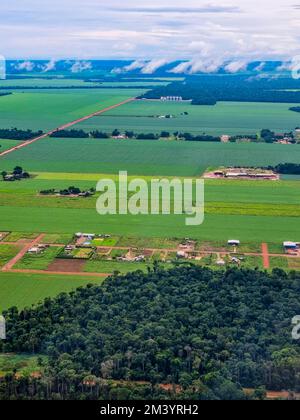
(204, 334)
(295, 108)
(286, 168)
(15, 134)
(208, 90)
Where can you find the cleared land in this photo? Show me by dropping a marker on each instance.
(23, 290)
(224, 118)
(142, 157)
(46, 110)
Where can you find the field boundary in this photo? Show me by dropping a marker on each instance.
(65, 126)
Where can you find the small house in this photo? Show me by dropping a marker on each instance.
(234, 242)
(290, 245)
(34, 250)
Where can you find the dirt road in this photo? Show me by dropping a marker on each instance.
(265, 254)
(20, 255)
(65, 126)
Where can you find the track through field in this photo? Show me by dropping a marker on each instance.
(65, 126)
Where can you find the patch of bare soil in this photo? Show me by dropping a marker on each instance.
(67, 266)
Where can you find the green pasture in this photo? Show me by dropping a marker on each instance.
(230, 118)
(248, 228)
(7, 252)
(24, 290)
(144, 157)
(46, 110)
(7, 144)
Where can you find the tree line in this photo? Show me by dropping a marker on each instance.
(16, 134)
(209, 333)
(208, 90)
(286, 168)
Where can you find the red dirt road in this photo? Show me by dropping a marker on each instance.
(266, 256)
(13, 261)
(65, 126)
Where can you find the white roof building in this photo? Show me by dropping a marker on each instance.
(2, 328)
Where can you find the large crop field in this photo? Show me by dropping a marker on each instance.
(143, 157)
(251, 211)
(23, 290)
(224, 118)
(46, 110)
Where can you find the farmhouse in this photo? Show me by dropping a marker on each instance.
(290, 245)
(34, 250)
(234, 242)
(2, 328)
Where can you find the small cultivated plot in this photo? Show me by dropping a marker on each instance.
(118, 253)
(57, 238)
(20, 365)
(105, 241)
(18, 236)
(39, 261)
(252, 262)
(244, 247)
(294, 264)
(150, 243)
(276, 248)
(24, 290)
(77, 253)
(7, 252)
(280, 262)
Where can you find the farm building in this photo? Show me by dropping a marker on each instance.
(171, 98)
(35, 250)
(234, 242)
(85, 235)
(2, 328)
(290, 245)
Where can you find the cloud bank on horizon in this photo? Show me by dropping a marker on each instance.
(208, 35)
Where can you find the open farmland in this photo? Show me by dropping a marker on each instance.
(23, 290)
(46, 110)
(7, 144)
(142, 157)
(231, 118)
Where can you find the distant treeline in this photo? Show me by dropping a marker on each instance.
(295, 109)
(74, 87)
(15, 134)
(266, 136)
(286, 168)
(131, 135)
(5, 93)
(208, 90)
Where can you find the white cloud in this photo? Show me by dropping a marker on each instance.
(25, 65)
(51, 65)
(236, 66)
(197, 29)
(80, 66)
(153, 65)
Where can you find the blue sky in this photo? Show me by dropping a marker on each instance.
(158, 29)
